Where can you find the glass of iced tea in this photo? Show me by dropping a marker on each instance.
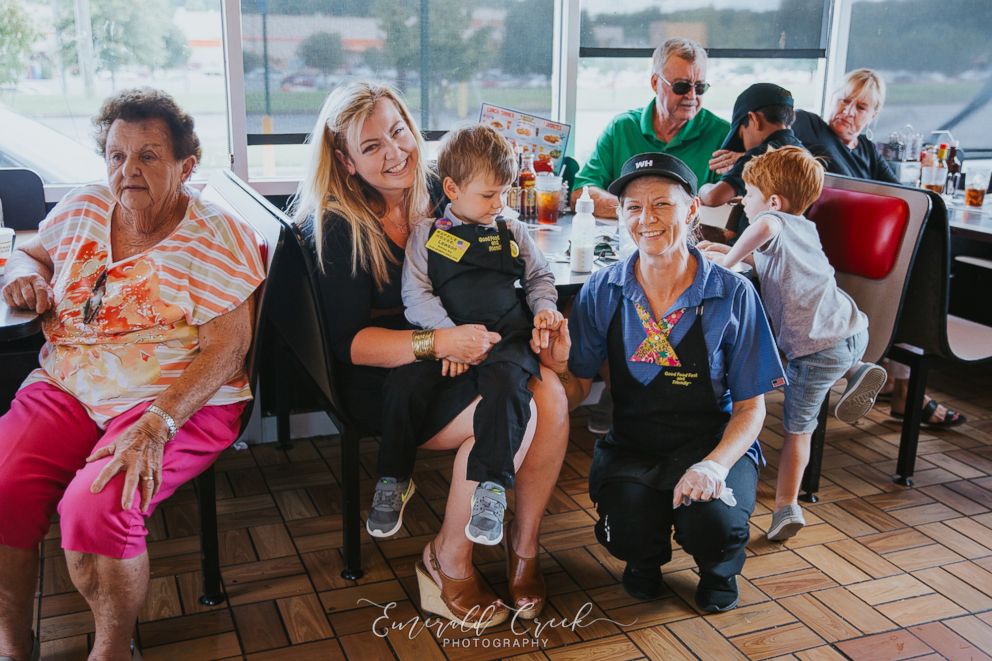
(976, 183)
(548, 198)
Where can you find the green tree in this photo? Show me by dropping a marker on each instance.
(455, 51)
(322, 50)
(124, 33)
(527, 39)
(16, 36)
(176, 48)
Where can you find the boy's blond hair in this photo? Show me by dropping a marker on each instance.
(475, 150)
(791, 172)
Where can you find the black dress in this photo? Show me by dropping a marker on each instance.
(352, 303)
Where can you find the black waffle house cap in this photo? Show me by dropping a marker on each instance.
(658, 165)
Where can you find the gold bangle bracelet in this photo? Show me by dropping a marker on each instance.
(423, 345)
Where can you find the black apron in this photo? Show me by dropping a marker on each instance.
(662, 428)
(479, 289)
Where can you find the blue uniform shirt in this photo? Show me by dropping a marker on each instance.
(744, 360)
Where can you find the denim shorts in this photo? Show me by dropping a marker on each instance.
(811, 377)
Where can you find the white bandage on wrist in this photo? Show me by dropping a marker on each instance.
(719, 473)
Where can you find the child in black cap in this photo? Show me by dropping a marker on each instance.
(763, 115)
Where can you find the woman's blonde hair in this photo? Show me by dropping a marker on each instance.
(328, 188)
(863, 83)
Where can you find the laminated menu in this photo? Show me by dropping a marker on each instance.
(543, 138)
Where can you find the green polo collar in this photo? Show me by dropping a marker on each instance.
(691, 130)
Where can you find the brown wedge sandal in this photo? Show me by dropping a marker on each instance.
(525, 581)
(465, 601)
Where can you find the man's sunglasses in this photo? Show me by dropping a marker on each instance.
(682, 87)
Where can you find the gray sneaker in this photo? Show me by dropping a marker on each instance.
(786, 523)
(601, 414)
(488, 506)
(859, 396)
(388, 503)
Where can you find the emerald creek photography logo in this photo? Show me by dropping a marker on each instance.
(522, 634)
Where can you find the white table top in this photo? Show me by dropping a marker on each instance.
(970, 222)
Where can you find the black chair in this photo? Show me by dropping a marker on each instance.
(272, 239)
(22, 195)
(927, 332)
(871, 233)
(297, 318)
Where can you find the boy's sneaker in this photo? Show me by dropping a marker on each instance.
(388, 503)
(786, 523)
(488, 507)
(859, 396)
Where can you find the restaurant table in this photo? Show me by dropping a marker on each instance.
(553, 240)
(17, 324)
(970, 222)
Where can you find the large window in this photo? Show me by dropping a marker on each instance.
(445, 56)
(59, 59)
(720, 24)
(936, 58)
(782, 41)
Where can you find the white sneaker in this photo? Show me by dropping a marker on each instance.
(859, 396)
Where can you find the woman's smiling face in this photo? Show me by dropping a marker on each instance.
(385, 152)
(657, 213)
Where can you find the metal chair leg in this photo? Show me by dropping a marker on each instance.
(282, 388)
(213, 591)
(350, 507)
(913, 415)
(811, 476)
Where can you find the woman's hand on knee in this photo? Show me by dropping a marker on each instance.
(468, 343)
(702, 482)
(138, 452)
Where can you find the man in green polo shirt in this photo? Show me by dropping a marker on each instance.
(673, 122)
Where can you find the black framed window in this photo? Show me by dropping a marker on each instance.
(445, 56)
(768, 40)
(936, 59)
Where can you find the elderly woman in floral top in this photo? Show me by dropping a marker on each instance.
(146, 295)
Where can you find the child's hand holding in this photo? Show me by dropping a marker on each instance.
(453, 369)
(546, 321)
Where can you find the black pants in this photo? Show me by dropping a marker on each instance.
(635, 524)
(499, 424)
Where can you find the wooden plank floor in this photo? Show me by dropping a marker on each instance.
(881, 571)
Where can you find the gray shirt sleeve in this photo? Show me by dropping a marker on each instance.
(538, 281)
(423, 308)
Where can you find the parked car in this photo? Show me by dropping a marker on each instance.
(56, 158)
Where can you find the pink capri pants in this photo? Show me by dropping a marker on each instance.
(45, 438)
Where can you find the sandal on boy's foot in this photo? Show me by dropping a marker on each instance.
(465, 601)
(488, 507)
(951, 418)
(786, 523)
(388, 502)
(859, 396)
